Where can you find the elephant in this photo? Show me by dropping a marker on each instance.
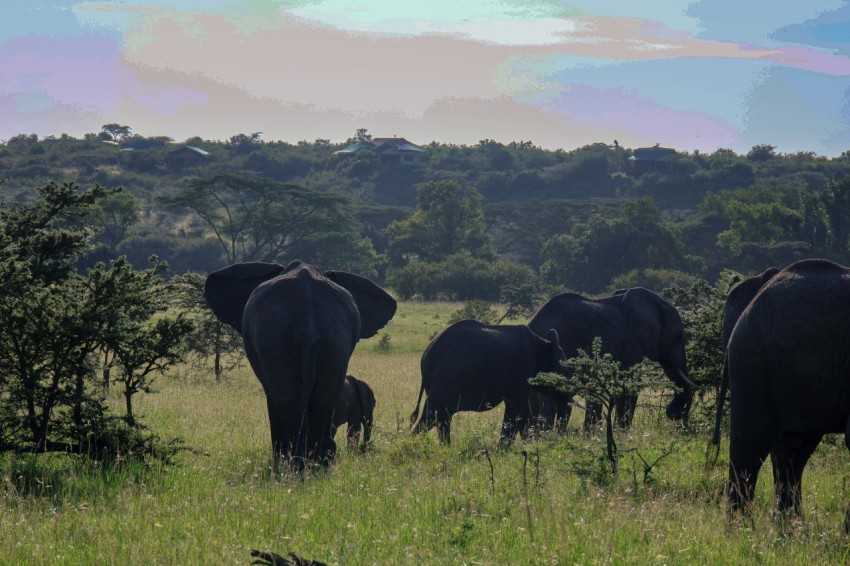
(299, 327)
(633, 324)
(356, 407)
(472, 366)
(788, 365)
(738, 300)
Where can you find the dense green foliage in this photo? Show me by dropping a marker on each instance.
(59, 323)
(590, 219)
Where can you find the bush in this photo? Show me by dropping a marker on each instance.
(459, 277)
(653, 279)
(475, 310)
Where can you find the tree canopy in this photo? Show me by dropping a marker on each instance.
(449, 219)
(257, 219)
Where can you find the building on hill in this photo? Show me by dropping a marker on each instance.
(186, 156)
(658, 160)
(389, 151)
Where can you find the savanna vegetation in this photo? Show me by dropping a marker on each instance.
(132, 429)
(408, 499)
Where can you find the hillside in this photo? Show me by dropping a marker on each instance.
(720, 209)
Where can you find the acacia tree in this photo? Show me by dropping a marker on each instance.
(257, 219)
(55, 320)
(116, 131)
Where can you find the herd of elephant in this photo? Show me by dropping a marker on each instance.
(786, 367)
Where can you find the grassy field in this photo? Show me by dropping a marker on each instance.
(409, 500)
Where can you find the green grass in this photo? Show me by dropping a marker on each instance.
(409, 500)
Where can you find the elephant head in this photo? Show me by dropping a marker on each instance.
(659, 329)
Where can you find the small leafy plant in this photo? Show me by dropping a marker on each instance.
(600, 380)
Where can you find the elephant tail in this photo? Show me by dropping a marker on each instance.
(713, 450)
(414, 416)
(308, 372)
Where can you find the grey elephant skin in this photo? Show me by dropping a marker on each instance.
(738, 300)
(299, 327)
(788, 366)
(356, 408)
(633, 324)
(471, 366)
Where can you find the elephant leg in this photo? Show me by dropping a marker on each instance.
(353, 435)
(592, 415)
(278, 439)
(563, 411)
(847, 444)
(288, 431)
(749, 444)
(367, 431)
(625, 410)
(513, 422)
(444, 428)
(789, 456)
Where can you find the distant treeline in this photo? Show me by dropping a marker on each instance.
(489, 221)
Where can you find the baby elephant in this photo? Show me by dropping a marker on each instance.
(472, 366)
(356, 407)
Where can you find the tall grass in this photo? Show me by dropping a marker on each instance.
(409, 500)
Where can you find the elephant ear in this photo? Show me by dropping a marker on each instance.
(644, 311)
(375, 305)
(227, 290)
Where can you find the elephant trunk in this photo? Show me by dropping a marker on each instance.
(680, 406)
(681, 379)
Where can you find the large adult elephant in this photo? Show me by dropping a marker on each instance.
(633, 324)
(472, 366)
(299, 327)
(788, 366)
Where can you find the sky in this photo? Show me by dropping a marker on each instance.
(692, 75)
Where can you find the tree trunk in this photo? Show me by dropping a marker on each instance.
(218, 345)
(128, 400)
(609, 439)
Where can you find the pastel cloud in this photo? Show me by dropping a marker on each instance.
(84, 77)
(558, 73)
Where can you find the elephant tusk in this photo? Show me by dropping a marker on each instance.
(684, 378)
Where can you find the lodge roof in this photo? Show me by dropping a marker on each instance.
(381, 144)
